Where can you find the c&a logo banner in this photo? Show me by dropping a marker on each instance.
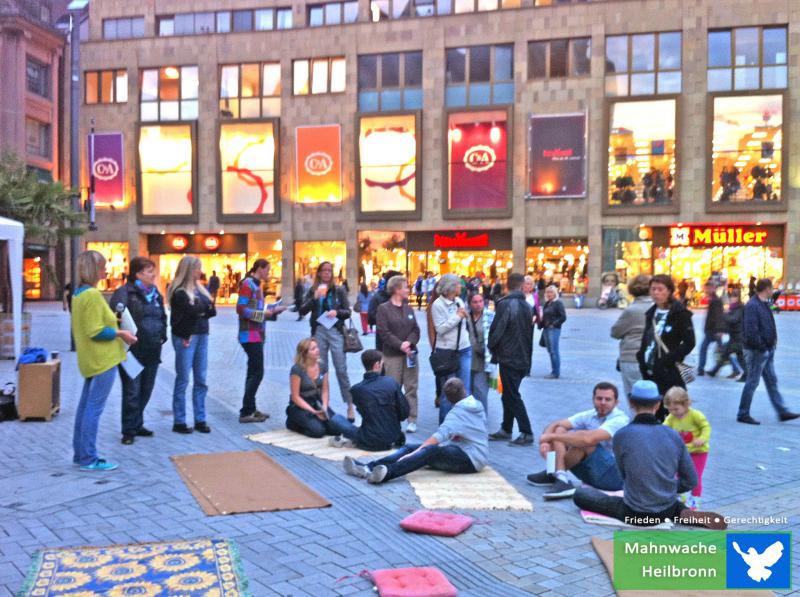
(702, 560)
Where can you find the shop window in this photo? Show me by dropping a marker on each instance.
(380, 251)
(37, 76)
(308, 256)
(126, 28)
(641, 153)
(563, 262)
(747, 58)
(643, 64)
(387, 154)
(747, 149)
(332, 13)
(318, 75)
(627, 251)
(106, 86)
(478, 170)
(117, 268)
(231, 268)
(559, 58)
(37, 138)
(480, 75)
(166, 169)
(169, 93)
(32, 269)
(319, 164)
(389, 82)
(250, 90)
(247, 168)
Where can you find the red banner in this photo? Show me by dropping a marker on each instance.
(478, 174)
(319, 164)
(106, 168)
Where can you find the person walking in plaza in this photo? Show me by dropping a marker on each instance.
(399, 334)
(146, 306)
(553, 317)
(668, 338)
(760, 341)
(419, 291)
(458, 446)
(326, 298)
(100, 347)
(253, 315)
(733, 351)
(695, 431)
(449, 314)
(309, 411)
(362, 307)
(628, 329)
(213, 287)
(479, 322)
(429, 287)
(299, 294)
(714, 326)
(190, 309)
(511, 345)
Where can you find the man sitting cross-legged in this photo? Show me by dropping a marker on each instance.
(650, 456)
(460, 445)
(582, 445)
(382, 406)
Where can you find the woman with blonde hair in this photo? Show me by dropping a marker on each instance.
(553, 317)
(100, 346)
(191, 308)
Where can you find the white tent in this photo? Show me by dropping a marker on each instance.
(14, 233)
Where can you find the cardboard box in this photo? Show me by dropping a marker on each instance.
(39, 390)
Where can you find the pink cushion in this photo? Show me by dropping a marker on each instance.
(412, 582)
(436, 523)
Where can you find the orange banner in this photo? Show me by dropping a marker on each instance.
(319, 164)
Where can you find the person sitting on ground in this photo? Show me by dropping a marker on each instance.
(649, 456)
(380, 401)
(459, 445)
(308, 411)
(583, 445)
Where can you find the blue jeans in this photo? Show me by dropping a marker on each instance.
(480, 388)
(578, 301)
(464, 373)
(87, 418)
(760, 364)
(193, 359)
(302, 421)
(551, 340)
(708, 340)
(450, 459)
(599, 469)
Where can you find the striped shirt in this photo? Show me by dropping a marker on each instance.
(250, 306)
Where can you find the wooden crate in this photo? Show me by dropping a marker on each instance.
(39, 390)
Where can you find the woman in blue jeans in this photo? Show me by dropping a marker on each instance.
(191, 308)
(553, 317)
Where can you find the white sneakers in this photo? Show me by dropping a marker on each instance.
(411, 427)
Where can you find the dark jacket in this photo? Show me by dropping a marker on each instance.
(715, 318)
(734, 322)
(553, 314)
(678, 337)
(380, 297)
(336, 299)
(395, 326)
(186, 318)
(760, 332)
(299, 291)
(150, 320)
(382, 406)
(511, 333)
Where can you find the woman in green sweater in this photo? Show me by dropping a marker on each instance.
(101, 347)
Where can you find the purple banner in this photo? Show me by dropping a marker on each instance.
(106, 175)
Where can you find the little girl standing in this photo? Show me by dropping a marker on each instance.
(695, 430)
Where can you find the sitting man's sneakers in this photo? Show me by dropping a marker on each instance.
(144, 432)
(523, 439)
(181, 428)
(99, 465)
(748, 419)
(378, 474)
(353, 467)
(340, 442)
(560, 489)
(254, 417)
(541, 479)
(499, 435)
(709, 520)
(788, 416)
(202, 427)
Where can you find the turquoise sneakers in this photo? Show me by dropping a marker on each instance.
(99, 465)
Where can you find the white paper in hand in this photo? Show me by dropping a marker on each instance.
(126, 322)
(132, 366)
(326, 320)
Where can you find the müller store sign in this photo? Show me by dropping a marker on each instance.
(718, 235)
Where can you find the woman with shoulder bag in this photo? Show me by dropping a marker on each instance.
(452, 350)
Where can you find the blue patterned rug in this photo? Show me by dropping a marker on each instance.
(208, 567)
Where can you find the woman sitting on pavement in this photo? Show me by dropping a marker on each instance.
(308, 411)
(460, 445)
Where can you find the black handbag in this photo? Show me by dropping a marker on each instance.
(445, 361)
(352, 343)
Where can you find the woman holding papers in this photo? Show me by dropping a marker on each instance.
(146, 307)
(101, 347)
(191, 308)
(329, 309)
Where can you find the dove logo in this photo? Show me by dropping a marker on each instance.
(758, 560)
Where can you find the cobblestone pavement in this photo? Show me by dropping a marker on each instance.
(45, 502)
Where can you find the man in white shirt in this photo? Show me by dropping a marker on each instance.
(582, 445)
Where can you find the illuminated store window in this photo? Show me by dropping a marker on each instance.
(480, 75)
(641, 153)
(106, 86)
(250, 90)
(559, 58)
(308, 256)
(117, 267)
(316, 76)
(169, 93)
(643, 64)
(563, 262)
(247, 168)
(747, 58)
(747, 149)
(166, 164)
(380, 251)
(390, 82)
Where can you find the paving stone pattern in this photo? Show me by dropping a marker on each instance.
(46, 502)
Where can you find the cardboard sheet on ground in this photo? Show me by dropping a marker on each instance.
(236, 482)
(312, 446)
(605, 551)
(486, 490)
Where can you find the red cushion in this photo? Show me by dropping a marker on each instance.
(412, 582)
(436, 523)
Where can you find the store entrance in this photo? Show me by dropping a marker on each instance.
(230, 269)
(487, 264)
